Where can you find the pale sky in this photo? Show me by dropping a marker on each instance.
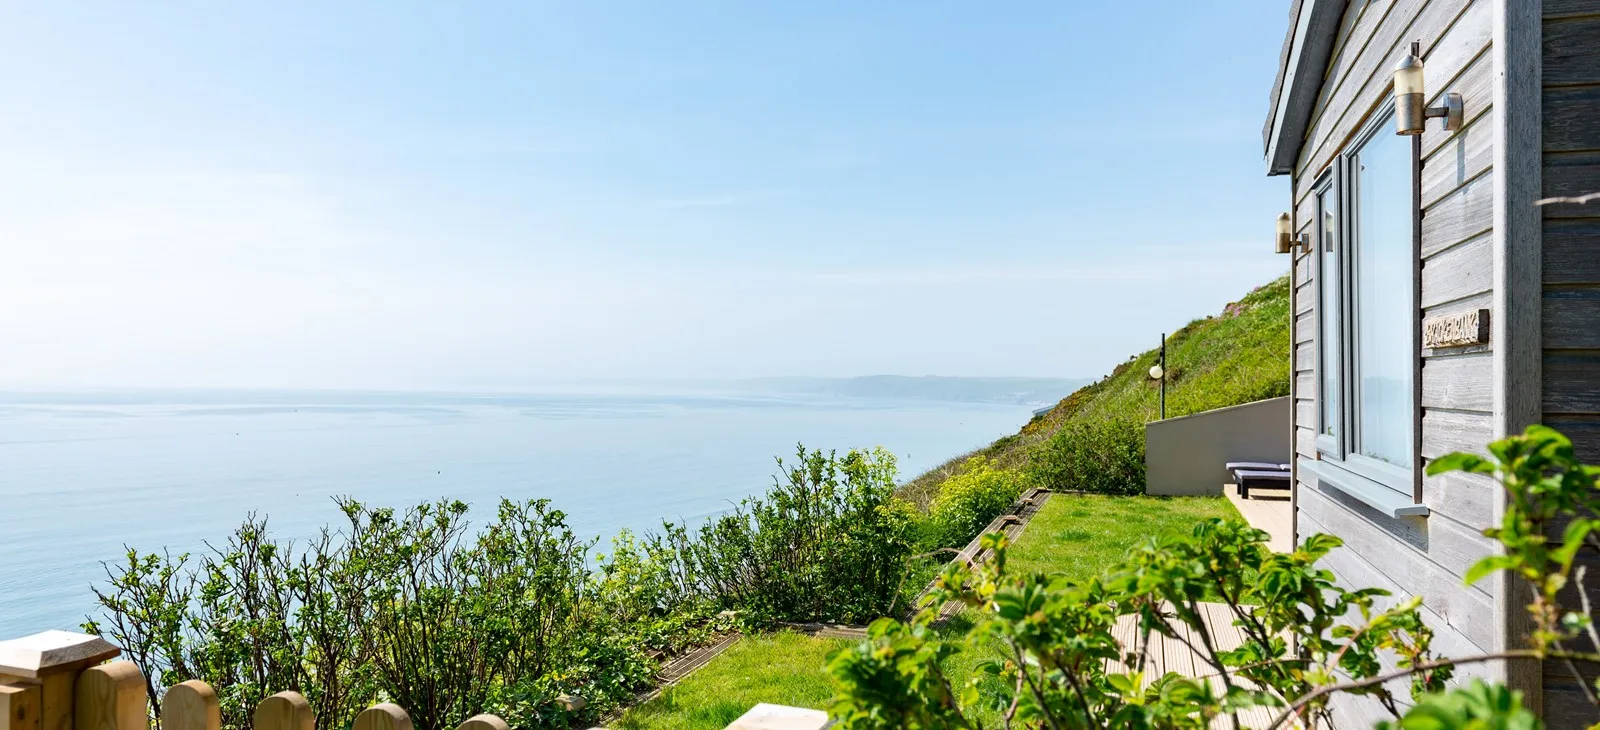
(396, 195)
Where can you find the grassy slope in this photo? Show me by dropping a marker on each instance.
(1078, 536)
(1238, 356)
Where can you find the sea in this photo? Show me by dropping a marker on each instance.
(86, 476)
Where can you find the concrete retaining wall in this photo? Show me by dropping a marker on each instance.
(1185, 455)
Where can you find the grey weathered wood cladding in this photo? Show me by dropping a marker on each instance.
(1570, 305)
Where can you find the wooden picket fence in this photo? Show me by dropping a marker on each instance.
(56, 681)
(193, 705)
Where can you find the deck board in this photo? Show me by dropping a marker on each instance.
(1169, 654)
(1123, 632)
(1269, 511)
(1181, 658)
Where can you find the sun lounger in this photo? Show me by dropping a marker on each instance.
(1248, 479)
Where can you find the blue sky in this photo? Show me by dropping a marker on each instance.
(395, 195)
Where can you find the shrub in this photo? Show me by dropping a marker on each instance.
(968, 501)
(399, 606)
(827, 543)
(1104, 457)
(636, 585)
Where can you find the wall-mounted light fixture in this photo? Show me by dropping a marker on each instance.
(1411, 112)
(1286, 240)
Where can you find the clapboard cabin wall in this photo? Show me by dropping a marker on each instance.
(1455, 387)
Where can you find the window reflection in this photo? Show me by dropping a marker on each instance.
(1383, 316)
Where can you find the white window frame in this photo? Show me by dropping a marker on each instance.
(1328, 283)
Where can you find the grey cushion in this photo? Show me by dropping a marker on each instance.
(1256, 466)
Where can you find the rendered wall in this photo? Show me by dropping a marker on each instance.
(1185, 455)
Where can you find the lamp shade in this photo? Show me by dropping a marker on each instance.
(1156, 372)
(1281, 234)
(1408, 76)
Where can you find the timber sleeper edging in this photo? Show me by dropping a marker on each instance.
(675, 671)
(1011, 523)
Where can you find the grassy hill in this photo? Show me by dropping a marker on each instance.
(1238, 356)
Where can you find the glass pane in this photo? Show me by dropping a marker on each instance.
(1328, 285)
(1383, 300)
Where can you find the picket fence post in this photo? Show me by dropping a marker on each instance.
(191, 705)
(111, 697)
(39, 676)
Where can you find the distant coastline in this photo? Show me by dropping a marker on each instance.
(1022, 391)
(1014, 391)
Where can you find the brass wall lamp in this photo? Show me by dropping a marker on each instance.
(1411, 112)
(1286, 240)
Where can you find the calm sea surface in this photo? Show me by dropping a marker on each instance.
(83, 475)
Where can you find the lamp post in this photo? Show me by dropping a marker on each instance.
(1158, 371)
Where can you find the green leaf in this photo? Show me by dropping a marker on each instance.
(1572, 540)
(1541, 432)
(1460, 461)
(1491, 564)
(1128, 685)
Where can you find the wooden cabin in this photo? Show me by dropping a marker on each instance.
(1438, 304)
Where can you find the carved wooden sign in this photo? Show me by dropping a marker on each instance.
(1456, 330)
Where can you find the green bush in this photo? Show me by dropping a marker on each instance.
(968, 501)
(401, 606)
(415, 608)
(1103, 457)
(828, 543)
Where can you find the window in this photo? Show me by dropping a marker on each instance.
(1383, 314)
(1365, 266)
(1328, 350)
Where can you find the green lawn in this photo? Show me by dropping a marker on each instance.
(785, 668)
(1079, 535)
(1075, 535)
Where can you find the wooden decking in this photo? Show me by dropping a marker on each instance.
(1172, 655)
(1268, 510)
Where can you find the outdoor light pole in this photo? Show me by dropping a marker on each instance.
(1163, 376)
(1159, 372)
